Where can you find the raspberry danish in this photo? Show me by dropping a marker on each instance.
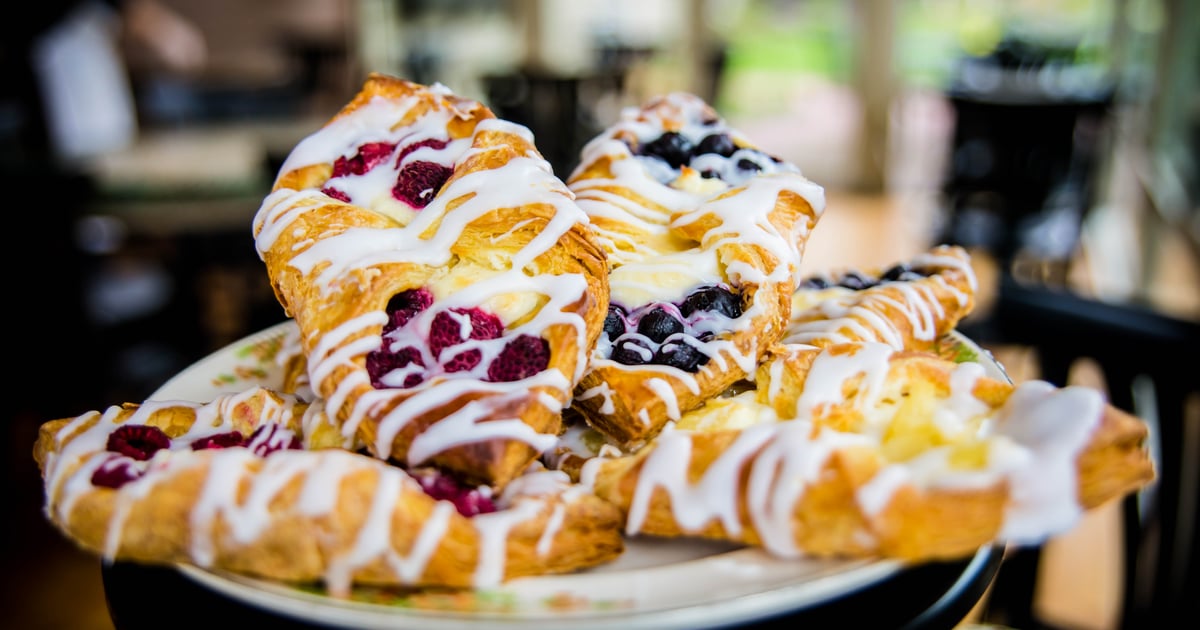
(446, 286)
(260, 483)
(862, 450)
(704, 234)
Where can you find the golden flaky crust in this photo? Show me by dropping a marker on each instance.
(755, 231)
(637, 409)
(812, 480)
(910, 311)
(488, 243)
(300, 515)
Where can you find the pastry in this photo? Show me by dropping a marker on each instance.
(704, 235)
(446, 287)
(260, 483)
(862, 450)
(293, 366)
(910, 305)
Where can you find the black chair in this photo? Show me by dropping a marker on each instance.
(1145, 357)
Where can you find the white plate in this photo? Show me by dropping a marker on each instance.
(654, 584)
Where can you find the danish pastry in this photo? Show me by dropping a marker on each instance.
(446, 286)
(704, 235)
(293, 366)
(859, 449)
(260, 483)
(909, 305)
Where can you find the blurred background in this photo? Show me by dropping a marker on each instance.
(1058, 140)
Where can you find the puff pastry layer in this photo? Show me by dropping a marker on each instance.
(909, 305)
(260, 483)
(859, 449)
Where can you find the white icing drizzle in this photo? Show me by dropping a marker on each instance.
(642, 213)
(605, 392)
(790, 461)
(425, 237)
(844, 315)
(1056, 424)
(240, 489)
(666, 394)
(1032, 441)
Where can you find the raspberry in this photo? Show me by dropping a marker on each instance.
(521, 358)
(220, 440)
(447, 328)
(380, 362)
(336, 194)
(115, 472)
(404, 305)
(368, 157)
(139, 441)
(272, 437)
(419, 182)
(468, 501)
(432, 142)
(463, 361)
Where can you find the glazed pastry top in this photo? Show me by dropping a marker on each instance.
(911, 421)
(414, 191)
(907, 305)
(704, 234)
(656, 181)
(261, 463)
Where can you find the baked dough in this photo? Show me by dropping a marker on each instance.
(293, 366)
(446, 287)
(704, 234)
(910, 305)
(862, 450)
(272, 492)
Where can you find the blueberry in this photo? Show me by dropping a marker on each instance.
(681, 355)
(815, 282)
(748, 165)
(894, 272)
(614, 322)
(658, 323)
(719, 143)
(902, 273)
(672, 147)
(716, 299)
(856, 281)
(631, 352)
